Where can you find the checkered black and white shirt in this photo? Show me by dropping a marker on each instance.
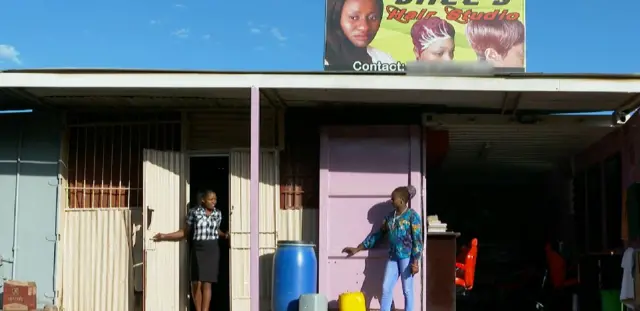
(204, 227)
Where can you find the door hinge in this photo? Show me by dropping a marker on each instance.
(53, 238)
(5, 260)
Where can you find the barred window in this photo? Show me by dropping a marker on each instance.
(105, 159)
(300, 166)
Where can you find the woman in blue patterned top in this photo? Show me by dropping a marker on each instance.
(203, 226)
(403, 228)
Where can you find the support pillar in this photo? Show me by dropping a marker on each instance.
(254, 253)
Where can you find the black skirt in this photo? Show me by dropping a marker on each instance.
(205, 261)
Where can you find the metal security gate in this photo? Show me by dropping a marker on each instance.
(239, 224)
(164, 211)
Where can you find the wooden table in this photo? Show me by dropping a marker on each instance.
(441, 271)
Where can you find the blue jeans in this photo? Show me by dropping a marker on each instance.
(397, 268)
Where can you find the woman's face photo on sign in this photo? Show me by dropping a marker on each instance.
(383, 35)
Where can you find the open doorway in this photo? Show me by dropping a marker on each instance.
(511, 211)
(212, 173)
(506, 182)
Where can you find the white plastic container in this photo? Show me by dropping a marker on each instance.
(313, 302)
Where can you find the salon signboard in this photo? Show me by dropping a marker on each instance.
(383, 35)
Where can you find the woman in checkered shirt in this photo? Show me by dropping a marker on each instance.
(203, 226)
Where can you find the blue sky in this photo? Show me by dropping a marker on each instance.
(584, 36)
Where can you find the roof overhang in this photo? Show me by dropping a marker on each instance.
(522, 92)
(320, 81)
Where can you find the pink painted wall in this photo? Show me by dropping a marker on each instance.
(359, 167)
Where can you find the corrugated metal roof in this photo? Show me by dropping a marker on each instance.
(140, 98)
(14, 99)
(514, 144)
(518, 145)
(193, 98)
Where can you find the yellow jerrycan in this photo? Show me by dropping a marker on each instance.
(352, 302)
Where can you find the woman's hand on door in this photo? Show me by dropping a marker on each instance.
(174, 236)
(224, 235)
(350, 251)
(414, 268)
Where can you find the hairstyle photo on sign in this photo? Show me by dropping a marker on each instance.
(433, 39)
(385, 35)
(500, 43)
(351, 26)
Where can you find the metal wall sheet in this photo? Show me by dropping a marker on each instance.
(382, 157)
(164, 184)
(298, 224)
(97, 260)
(240, 226)
(239, 229)
(63, 203)
(29, 161)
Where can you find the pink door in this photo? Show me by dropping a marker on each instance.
(359, 168)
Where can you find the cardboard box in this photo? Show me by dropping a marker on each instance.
(19, 296)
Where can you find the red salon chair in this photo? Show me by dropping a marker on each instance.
(462, 256)
(557, 266)
(563, 294)
(468, 269)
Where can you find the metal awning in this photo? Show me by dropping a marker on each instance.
(489, 142)
(170, 89)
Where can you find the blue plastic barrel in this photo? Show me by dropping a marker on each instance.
(295, 273)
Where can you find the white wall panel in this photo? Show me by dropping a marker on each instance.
(97, 260)
(240, 227)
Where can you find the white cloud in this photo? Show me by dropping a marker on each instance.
(154, 22)
(277, 34)
(9, 53)
(259, 48)
(182, 33)
(206, 37)
(255, 30)
(180, 6)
